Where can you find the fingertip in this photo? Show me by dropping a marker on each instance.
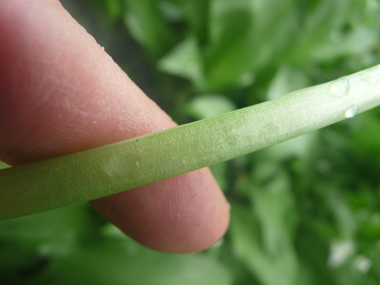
(183, 214)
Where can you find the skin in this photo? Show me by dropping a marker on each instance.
(61, 93)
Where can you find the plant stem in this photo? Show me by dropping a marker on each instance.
(125, 165)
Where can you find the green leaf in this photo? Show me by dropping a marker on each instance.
(364, 141)
(319, 21)
(299, 147)
(231, 39)
(197, 15)
(359, 40)
(345, 220)
(147, 26)
(51, 233)
(270, 269)
(273, 203)
(219, 171)
(185, 61)
(110, 263)
(287, 79)
(208, 106)
(244, 36)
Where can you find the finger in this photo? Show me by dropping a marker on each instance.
(61, 93)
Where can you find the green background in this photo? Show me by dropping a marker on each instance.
(306, 211)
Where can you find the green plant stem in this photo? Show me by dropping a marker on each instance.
(125, 165)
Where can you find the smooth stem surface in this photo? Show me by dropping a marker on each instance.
(118, 167)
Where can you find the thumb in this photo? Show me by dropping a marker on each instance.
(61, 93)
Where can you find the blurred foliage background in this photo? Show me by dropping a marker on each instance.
(306, 211)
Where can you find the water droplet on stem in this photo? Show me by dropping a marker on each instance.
(339, 87)
(350, 113)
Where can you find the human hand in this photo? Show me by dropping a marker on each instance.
(61, 93)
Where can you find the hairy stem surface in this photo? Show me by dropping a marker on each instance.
(125, 165)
